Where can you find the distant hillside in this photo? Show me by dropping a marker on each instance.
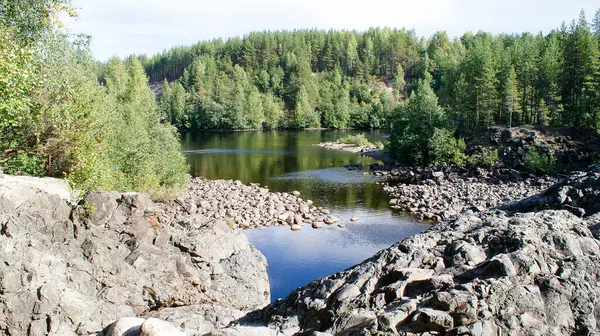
(334, 79)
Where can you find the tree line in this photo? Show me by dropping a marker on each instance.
(338, 79)
(56, 119)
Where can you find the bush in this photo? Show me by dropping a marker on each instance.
(539, 162)
(443, 147)
(489, 158)
(356, 140)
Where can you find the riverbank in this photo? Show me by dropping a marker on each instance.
(440, 192)
(527, 269)
(73, 268)
(436, 193)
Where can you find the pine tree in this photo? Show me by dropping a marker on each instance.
(510, 95)
(164, 103)
(399, 82)
(596, 24)
(177, 101)
(481, 75)
(352, 59)
(579, 80)
(255, 115)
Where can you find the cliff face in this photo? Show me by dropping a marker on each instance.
(68, 269)
(493, 273)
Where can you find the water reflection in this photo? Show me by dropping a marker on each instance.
(287, 161)
(296, 258)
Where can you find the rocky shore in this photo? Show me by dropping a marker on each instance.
(73, 268)
(440, 192)
(252, 206)
(370, 150)
(119, 264)
(499, 272)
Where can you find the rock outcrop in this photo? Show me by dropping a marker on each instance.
(491, 273)
(579, 193)
(572, 149)
(72, 269)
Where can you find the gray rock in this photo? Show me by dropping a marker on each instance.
(73, 269)
(477, 274)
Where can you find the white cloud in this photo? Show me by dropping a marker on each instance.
(123, 27)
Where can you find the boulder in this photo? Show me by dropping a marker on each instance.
(69, 269)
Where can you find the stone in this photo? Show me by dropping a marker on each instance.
(191, 208)
(433, 320)
(125, 326)
(354, 219)
(296, 227)
(474, 274)
(156, 327)
(349, 291)
(317, 225)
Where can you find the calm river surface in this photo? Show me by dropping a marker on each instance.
(288, 161)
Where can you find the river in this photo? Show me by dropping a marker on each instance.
(287, 161)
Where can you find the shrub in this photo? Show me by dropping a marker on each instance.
(489, 158)
(356, 140)
(443, 147)
(539, 162)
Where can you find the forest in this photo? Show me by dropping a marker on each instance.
(347, 79)
(100, 125)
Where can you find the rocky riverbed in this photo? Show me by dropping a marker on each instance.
(528, 267)
(440, 192)
(252, 206)
(490, 273)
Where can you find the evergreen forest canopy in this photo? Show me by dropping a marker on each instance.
(340, 79)
(56, 119)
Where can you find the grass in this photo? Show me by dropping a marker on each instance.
(356, 140)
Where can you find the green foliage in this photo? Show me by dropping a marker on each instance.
(540, 162)
(443, 147)
(355, 139)
(55, 119)
(355, 79)
(420, 133)
(489, 158)
(309, 74)
(18, 82)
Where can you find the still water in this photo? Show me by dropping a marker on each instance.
(287, 161)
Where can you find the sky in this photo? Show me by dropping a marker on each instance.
(124, 27)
